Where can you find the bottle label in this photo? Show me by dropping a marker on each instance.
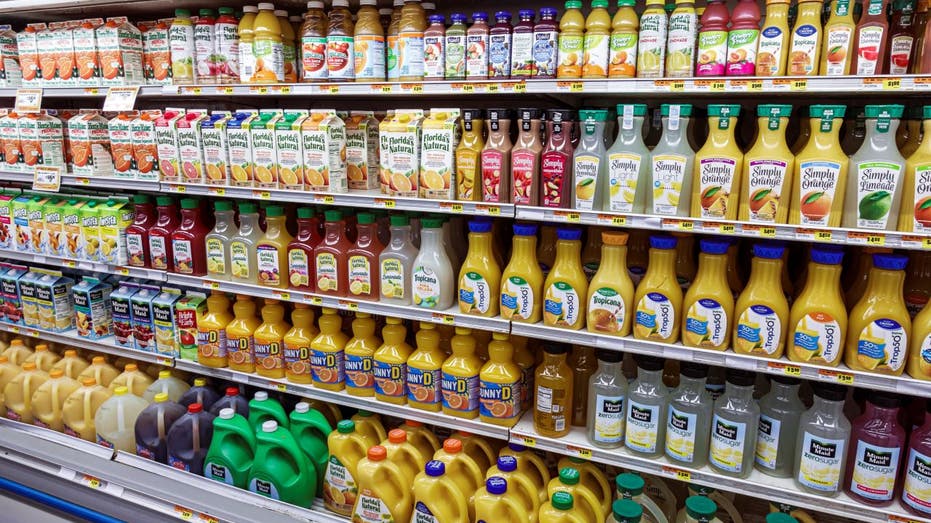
(881, 346)
(340, 488)
(211, 343)
(917, 482)
(924, 360)
(805, 42)
(819, 468)
(369, 55)
(328, 366)
(410, 54)
(455, 57)
(623, 173)
(705, 324)
(759, 331)
(499, 400)
(340, 57)
(422, 514)
(492, 161)
(392, 284)
(499, 56)
(900, 50)
(651, 45)
(741, 52)
(818, 182)
(922, 214)
(204, 45)
(522, 64)
(359, 372)
(838, 48)
(716, 175)
(875, 470)
(680, 435)
(871, 39)
(668, 171)
(239, 349)
(655, 317)
(477, 55)
(426, 287)
(553, 176)
(184, 257)
(876, 183)
(712, 53)
(246, 63)
(269, 60)
(595, 56)
(181, 42)
(728, 440)
(158, 251)
(474, 293)
(227, 57)
(217, 472)
(268, 355)
(524, 167)
(552, 408)
(216, 257)
(571, 48)
(313, 58)
(424, 386)
(298, 268)
(545, 52)
(135, 250)
(360, 276)
(180, 464)
(642, 426)
(327, 272)
(606, 310)
(460, 394)
(680, 44)
(769, 52)
(765, 189)
(609, 419)
(767, 442)
(586, 169)
(269, 269)
(371, 509)
(390, 379)
(434, 58)
(392, 58)
(622, 57)
(817, 338)
(239, 260)
(561, 305)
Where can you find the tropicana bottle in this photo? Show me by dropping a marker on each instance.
(820, 177)
(818, 318)
(611, 291)
(762, 310)
(717, 167)
(767, 169)
(671, 164)
(565, 290)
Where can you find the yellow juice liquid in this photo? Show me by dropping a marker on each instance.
(327, 352)
(240, 344)
(211, 331)
(298, 345)
(269, 341)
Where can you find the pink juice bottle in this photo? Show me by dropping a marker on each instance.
(918, 470)
(743, 39)
(877, 446)
(712, 40)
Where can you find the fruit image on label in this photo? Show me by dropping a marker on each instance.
(767, 442)
(712, 53)
(606, 310)
(359, 373)
(765, 189)
(727, 444)
(595, 55)
(327, 273)
(516, 298)
(622, 58)
(817, 338)
(327, 367)
(390, 379)
(875, 470)
(769, 51)
(655, 317)
(705, 324)
(423, 386)
(680, 435)
(474, 293)
(642, 427)
(900, 49)
(623, 171)
(758, 331)
(838, 43)
(715, 176)
(668, 170)
(871, 38)
(817, 181)
(561, 305)
(499, 400)
(680, 46)
(426, 287)
(741, 52)
(393, 284)
(922, 216)
(916, 492)
(570, 57)
(339, 487)
(460, 394)
(881, 346)
(298, 268)
(876, 183)
(651, 43)
(820, 464)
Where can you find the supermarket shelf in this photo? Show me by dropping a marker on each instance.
(72, 339)
(757, 485)
(120, 270)
(728, 359)
(72, 92)
(94, 182)
(835, 235)
(474, 426)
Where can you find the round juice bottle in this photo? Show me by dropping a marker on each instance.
(588, 505)
(181, 38)
(709, 304)
(288, 48)
(877, 443)
(522, 281)
(767, 168)
(359, 351)
(820, 177)
(301, 268)
(596, 45)
(272, 249)
(424, 375)
(717, 167)
(476, 59)
(313, 43)
(877, 335)
(269, 337)
(805, 46)
(658, 298)
(363, 273)
(246, 39)
(571, 41)
(211, 331)
(552, 409)
(326, 349)
(566, 289)
(267, 47)
(392, 42)
(329, 254)
(680, 40)
(917, 479)
(499, 46)
(774, 38)
(712, 40)
(651, 41)
(240, 344)
(818, 317)
(743, 39)
(611, 291)
(340, 49)
(915, 211)
(480, 275)
(369, 44)
(454, 46)
(499, 384)
(391, 363)
(546, 44)
(205, 47)
(460, 377)
(874, 201)
(411, 27)
(762, 310)
(671, 161)
(227, 46)
(622, 46)
(523, 64)
(838, 40)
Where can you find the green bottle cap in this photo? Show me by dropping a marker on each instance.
(569, 475)
(562, 501)
(164, 201)
(638, 109)
(630, 485)
(400, 220)
(346, 426)
(700, 508)
(333, 216)
(247, 208)
(626, 511)
(139, 199)
(189, 203)
(780, 517)
(223, 206)
(305, 212)
(274, 211)
(365, 218)
(886, 111)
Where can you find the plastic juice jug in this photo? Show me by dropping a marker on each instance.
(596, 44)
(592, 478)
(437, 497)
(522, 279)
(181, 38)
(269, 341)
(871, 40)
(879, 323)
(102, 372)
(680, 40)
(152, 427)
(218, 255)
(879, 440)
(499, 384)
(288, 49)
(562, 509)
(80, 406)
(240, 343)
(743, 39)
(280, 469)
(362, 263)
(734, 426)
(326, 348)
(626, 511)
(199, 393)
(231, 400)
(467, 473)
(818, 317)
(311, 430)
(496, 501)
(205, 71)
(298, 349)
(838, 40)
(189, 438)
(774, 39)
(384, 491)
(805, 48)
(390, 363)
(767, 168)
(712, 57)
(330, 264)
(170, 385)
(43, 358)
(301, 250)
(566, 289)
(115, 420)
(820, 178)
(658, 298)
(483, 452)
(133, 379)
(272, 249)
(708, 303)
(17, 352)
(553, 383)
(520, 483)
(651, 41)
(48, 400)
(611, 291)
(460, 377)
(346, 448)
(262, 408)
(590, 171)
(267, 47)
(369, 425)
(405, 454)
(628, 175)
(8, 371)
(622, 45)
(762, 310)
(160, 251)
(187, 241)
(823, 442)
(571, 41)
(232, 448)
(913, 216)
(433, 273)
(630, 488)
(916, 482)
(396, 263)
(71, 364)
(424, 377)
(874, 201)
(531, 465)
(717, 167)
(242, 245)
(671, 162)
(359, 353)
(313, 44)
(696, 509)
(211, 331)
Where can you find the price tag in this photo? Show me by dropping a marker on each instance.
(709, 85)
(768, 232)
(284, 89)
(892, 84)
(782, 368)
(571, 217)
(456, 207)
(46, 178)
(70, 263)
(579, 451)
(82, 181)
(727, 228)
(180, 189)
(281, 387)
(799, 84)
(123, 271)
(330, 89)
(213, 285)
(91, 91)
(387, 204)
(901, 519)
(843, 378)
(207, 518)
(445, 319)
(164, 360)
(572, 87)
(382, 88)
(608, 219)
(316, 300)
(261, 195)
(91, 481)
(866, 238)
(286, 296)
(182, 513)
(493, 87)
(28, 100)
(228, 90)
(259, 89)
(679, 474)
(123, 98)
(921, 83)
(526, 441)
(468, 88)
(216, 191)
(823, 236)
(681, 225)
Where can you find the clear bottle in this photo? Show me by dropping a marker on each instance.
(267, 47)
(780, 411)
(411, 26)
(218, 256)
(205, 47)
(734, 426)
(607, 391)
(584, 364)
(877, 450)
(433, 282)
(313, 43)
(822, 444)
(396, 261)
(628, 163)
(553, 384)
(680, 40)
(243, 266)
(651, 41)
(590, 171)
(917, 478)
(647, 403)
(688, 424)
(671, 164)
(369, 44)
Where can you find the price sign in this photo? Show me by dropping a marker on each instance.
(823, 236)
(445, 319)
(456, 207)
(227, 90)
(679, 474)
(46, 178)
(91, 481)
(121, 98)
(164, 360)
(782, 368)
(261, 195)
(607, 219)
(387, 204)
(28, 100)
(183, 513)
(281, 387)
(843, 378)
(866, 238)
(526, 441)
(286, 296)
(572, 87)
(799, 84)
(579, 451)
(681, 225)
(330, 89)
(571, 217)
(216, 191)
(382, 88)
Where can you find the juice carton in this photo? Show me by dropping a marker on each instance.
(323, 135)
(216, 157)
(6, 220)
(47, 50)
(240, 148)
(121, 144)
(71, 223)
(156, 52)
(42, 140)
(10, 147)
(67, 69)
(119, 46)
(188, 311)
(89, 138)
(28, 50)
(121, 312)
(86, 58)
(190, 146)
(145, 146)
(10, 73)
(361, 149)
(115, 216)
(22, 233)
(54, 227)
(92, 309)
(166, 143)
(143, 317)
(10, 286)
(163, 313)
(27, 295)
(35, 214)
(400, 158)
(335, 131)
(264, 156)
(89, 244)
(290, 148)
(55, 302)
(439, 139)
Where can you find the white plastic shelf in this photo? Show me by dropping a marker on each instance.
(119, 270)
(71, 339)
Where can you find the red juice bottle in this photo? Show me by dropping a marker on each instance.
(301, 268)
(901, 37)
(330, 256)
(188, 242)
(743, 39)
(556, 159)
(877, 446)
(545, 44)
(918, 470)
(362, 265)
(870, 40)
(160, 252)
(137, 234)
(712, 40)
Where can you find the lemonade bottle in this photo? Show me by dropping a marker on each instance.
(651, 41)
(240, 344)
(877, 335)
(272, 249)
(102, 372)
(495, 501)
(17, 352)
(170, 385)
(658, 298)
(818, 317)
(622, 47)
(521, 484)
(805, 46)
(646, 408)
(566, 289)
(8, 371)
(218, 255)
(767, 168)
(588, 506)
(499, 384)
(382, 483)
(628, 162)
(838, 37)
(369, 425)
(596, 44)
(269, 338)
(437, 497)
(298, 356)
(571, 41)
(680, 41)
(734, 426)
(874, 201)
(77, 413)
(115, 420)
(480, 275)
(522, 281)
(671, 164)
(396, 262)
(49, 398)
(611, 291)
(71, 364)
(424, 376)
(133, 379)
(347, 447)
(181, 40)
(820, 174)
(460, 377)
(267, 47)
(43, 357)
(717, 167)
(391, 363)
(823, 437)
(553, 383)
(762, 311)
(246, 40)
(326, 348)
(211, 331)
(359, 353)
(242, 245)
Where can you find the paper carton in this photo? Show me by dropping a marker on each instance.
(11, 76)
(89, 248)
(216, 155)
(86, 58)
(239, 145)
(121, 310)
(145, 146)
(28, 50)
(264, 155)
(439, 139)
(55, 302)
(42, 141)
(6, 220)
(163, 313)
(190, 146)
(27, 295)
(115, 216)
(166, 138)
(400, 154)
(11, 149)
(121, 144)
(92, 308)
(290, 149)
(47, 49)
(119, 46)
(54, 227)
(361, 150)
(11, 294)
(156, 53)
(74, 235)
(89, 138)
(143, 319)
(189, 310)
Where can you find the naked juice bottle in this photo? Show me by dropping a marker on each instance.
(658, 299)
(468, 156)
(767, 168)
(820, 171)
(805, 46)
(818, 318)
(708, 303)
(566, 289)
(272, 249)
(717, 167)
(877, 335)
(838, 40)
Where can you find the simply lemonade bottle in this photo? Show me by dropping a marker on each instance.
(717, 167)
(820, 171)
(671, 164)
(818, 318)
(767, 168)
(658, 299)
(611, 291)
(708, 303)
(762, 310)
(565, 289)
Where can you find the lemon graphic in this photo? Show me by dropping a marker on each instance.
(295, 279)
(673, 199)
(356, 287)
(417, 299)
(658, 193)
(615, 190)
(211, 265)
(678, 60)
(628, 195)
(387, 290)
(585, 190)
(649, 61)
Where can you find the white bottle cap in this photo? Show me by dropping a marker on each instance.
(250, 9)
(227, 413)
(340, 3)
(398, 3)
(385, 11)
(367, 2)
(281, 13)
(429, 6)
(266, 6)
(261, 395)
(302, 407)
(315, 4)
(270, 426)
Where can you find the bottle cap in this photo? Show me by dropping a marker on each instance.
(261, 395)
(626, 511)
(452, 446)
(714, 245)
(479, 15)
(98, 360)
(130, 367)
(496, 485)
(648, 363)
(437, 19)
(302, 407)
(189, 203)
(458, 18)
(517, 447)
(609, 356)
(549, 12)
(142, 198)
(884, 111)
(479, 226)
(700, 507)
(525, 229)
(827, 111)
(182, 13)
(227, 413)
(768, 251)
(785, 380)
(307, 212)
(507, 463)
(435, 468)
(161, 397)
(886, 400)
(638, 109)
(194, 408)
(780, 517)
(526, 13)
(827, 255)
(595, 115)
(629, 484)
(281, 13)
(626, 3)
(599, 3)
(829, 391)
(207, 12)
(266, 6)
(662, 241)
(119, 391)
(569, 475)
(164, 374)
(56, 373)
(614, 238)
(691, 369)
(724, 110)
(555, 348)
(397, 436)
(562, 500)
(225, 10)
(431, 223)
(88, 382)
(274, 210)
(400, 220)
(574, 4)
(777, 110)
(232, 391)
(333, 216)
(890, 262)
(503, 15)
(569, 233)
(247, 208)
(740, 377)
(346, 426)
(377, 453)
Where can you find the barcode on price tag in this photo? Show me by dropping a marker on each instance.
(46, 178)
(121, 98)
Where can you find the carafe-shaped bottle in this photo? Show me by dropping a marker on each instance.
(243, 266)
(717, 167)
(671, 164)
(712, 53)
(734, 426)
(658, 299)
(767, 169)
(611, 291)
(553, 384)
(708, 303)
(818, 318)
(432, 282)
(160, 244)
(646, 409)
(680, 40)
(480, 275)
(823, 442)
(589, 169)
(820, 177)
(396, 262)
(780, 412)
(688, 424)
(187, 241)
(838, 40)
(272, 249)
(217, 241)
(566, 288)
(762, 312)
(628, 163)
(522, 281)
(873, 202)
(301, 266)
(363, 275)
(916, 478)
(877, 448)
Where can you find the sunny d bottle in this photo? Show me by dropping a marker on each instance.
(565, 289)
(651, 41)
(708, 303)
(269, 336)
(211, 331)
(688, 423)
(316, 357)
(390, 363)
(611, 291)
(499, 384)
(875, 193)
(522, 281)
(734, 426)
(774, 40)
(628, 163)
(680, 40)
(780, 411)
(658, 299)
(767, 169)
(877, 336)
(424, 377)
(917, 481)
(823, 442)
(433, 283)
(671, 164)
(820, 176)
(622, 47)
(460, 377)
(240, 344)
(818, 317)
(762, 310)
(359, 351)
(717, 167)
(877, 449)
(646, 410)
(480, 275)
(838, 40)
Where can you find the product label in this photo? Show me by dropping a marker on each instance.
(392, 58)
(359, 372)
(820, 464)
(870, 39)
(916, 492)
(875, 470)
(838, 46)
(455, 56)
(765, 189)
(551, 408)
(460, 394)
(881, 346)
(217, 472)
(571, 48)
(924, 361)
(524, 167)
(499, 400)
(712, 53)
(340, 57)
(390, 379)
(426, 287)
(876, 183)
(136, 251)
(642, 426)
(434, 60)
(474, 293)
(767, 442)
(327, 273)
(239, 349)
(393, 283)
(268, 354)
(477, 55)
(180, 464)
(271, 54)
(668, 170)
(805, 42)
(369, 51)
(609, 419)
(522, 64)
(545, 53)
(499, 56)
(606, 310)
(360, 276)
(313, 58)
(922, 213)
(211, 343)
(817, 338)
(204, 44)
(492, 163)
(227, 55)
(680, 43)
(651, 45)
(716, 176)
(769, 52)
(623, 173)
(410, 54)
(184, 257)
(741, 52)
(758, 331)
(622, 55)
(728, 440)
(371, 509)
(818, 182)
(900, 49)
(239, 260)
(268, 267)
(595, 57)
(561, 305)
(553, 176)
(655, 317)
(298, 268)
(328, 366)
(158, 251)
(340, 489)
(586, 180)
(705, 324)
(424, 386)
(680, 435)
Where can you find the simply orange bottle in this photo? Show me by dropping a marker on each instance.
(384, 485)
(80, 407)
(360, 352)
(71, 364)
(297, 345)
(391, 363)
(424, 374)
(102, 372)
(838, 40)
(327, 352)
(347, 447)
(240, 344)
(17, 395)
(49, 398)
(211, 331)
(269, 341)
(499, 384)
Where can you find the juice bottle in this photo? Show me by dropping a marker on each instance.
(242, 245)
(565, 286)
(369, 425)
(499, 46)
(625, 510)
(329, 255)
(432, 279)
(269, 337)
(369, 44)
(152, 425)
(326, 349)
(102, 372)
(267, 47)
(901, 37)
(246, 53)
(588, 506)
(496, 156)
(411, 26)
(79, 408)
(407, 456)
(818, 317)
(546, 44)
(181, 38)
(525, 158)
(468, 153)
(823, 441)
(743, 39)
(839, 40)
(231, 400)
(347, 447)
(391, 363)
(460, 377)
(288, 49)
(522, 281)
(8, 371)
(499, 384)
(647, 404)
(596, 44)
(359, 353)
(272, 249)
(917, 479)
(879, 442)
(340, 50)
(298, 347)
(591, 477)
(712, 40)
(199, 393)
(680, 40)
(622, 45)
(436, 495)
(480, 275)
(658, 298)
(590, 172)
(734, 426)
(476, 58)
(762, 310)
(805, 47)
(424, 376)
(521, 484)
(717, 167)
(43, 358)
(651, 41)
(262, 409)
(767, 168)
(17, 352)
(313, 43)
(396, 262)
(628, 163)
(455, 48)
(556, 159)
(311, 430)
(871, 40)
(137, 234)
(914, 213)
(392, 49)
(552, 409)
(226, 57)
(421, 437)
(530, 464)
(877, 335)
(383, 484)
(218, 257)
(688, 425)
(498, 501)
(160, 244)
(230, 455)
(523, 63)
(211, 331)
(466, 473)
(571, 41)
(240, 344)
(560, 510)
(280, 469)
(205, 47)
(671, 162)
(606, 393)
(780, 411)
(301, 250)
(188, 248)
(774, 38)
(434, 41)
(49, 398)
(698, 509)
(820, 171)
(584, 364)
(115, 420)
(133, 379)
(874, 201)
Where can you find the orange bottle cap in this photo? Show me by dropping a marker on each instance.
(99, 360)
(452, 446)
(397, 436)
(29, 365)
(131, 367)
(614, 238)
(71, 353)
(377, 453)
(88, 382)
(413, 423)
(56, 373)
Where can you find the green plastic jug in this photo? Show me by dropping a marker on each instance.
(311, 430)
(262, 408)
(281, 470)
(229, 458)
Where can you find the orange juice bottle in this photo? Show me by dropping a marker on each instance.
(391, 363)
(566, 287)
(404, 454)
(467, 474)
(272, 249)
(879, 328)
(762, 311)
(596, 42)
(17, 352)
(133, 379)
(437, 497)
(460, 376)
(818, 317)
(385, 485)
(424, 375)
(71, 364)
(80, 407)
(369, 425)
(478, 448)
(571, 41)
(102, 372)
(805, 46)
(561, 509)
(8, 371)
(587, 503)
(552, 409)
(269, 338)
(709, 304)
(421, 437)
(211, 331)
(360, 350)
(820, 177)
(49, 398)
(837, 40)
(480, 274)
(327, 352)
(246, 39)
(622, 59)
(530, 464)
(267, 47)
(499, 384)
(17, 395)
(43, 357)
(658, 299)
(592, 478)
(518, 481)
(298, 345)
(240, 344)
(496, 501)
(347, 447)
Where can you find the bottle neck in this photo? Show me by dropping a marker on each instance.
(875, 412)
(613, 258)
(885, 283)
(712, 267)
(480, 243)
(825, 139)
(568, 251)
(662, 261)
(525, 247)
(881, 140)
(248, 223)
(400, 235)
(334, 231)
(696, 385)
(832, 409)
(823, 279)
(363, 327)
(167, 215)
(189, 217)
(766, 272)
(743, 393)
(431, 239)
(719, 137)
(784, 392)
(633, 134)
(673, 137)
(274, 225)
(224, 220)
(554, 360)
(653, 377)
(776, 12)
(365, 234)
(610, 367)
(305, 228)
(769, 137)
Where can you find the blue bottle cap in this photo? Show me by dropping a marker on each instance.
(525, 229)
(890, 262)
(479, 226)
(516, 447)
(435, 468)
(458, 18)
(507, 463)
(479, 15)
(437, 19)
(503, 14)
(714, 245)
(567, 233)
(768, 251)
(526, 13)
(827, 255)
(549, 12)
(662, 241)
(496, 485)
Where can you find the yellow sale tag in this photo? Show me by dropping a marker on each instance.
(328, 199)
(789, 370)
(332, 89)
(457, 207)
(527, 441)
(726, 228)
(281, 387)
(717, 85)
(316, 300)
(91, 481)
(224, 90)
(579, 451)
(286, 296)
(468, 88)
(184, 513)
(178, 189)
(82, 181)
(799, 84)
(384, 89)
(843, 378)
(892, 83)
(823, 236)
(520, 87)
(123, 271)
(163, 360)
(756, 85)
